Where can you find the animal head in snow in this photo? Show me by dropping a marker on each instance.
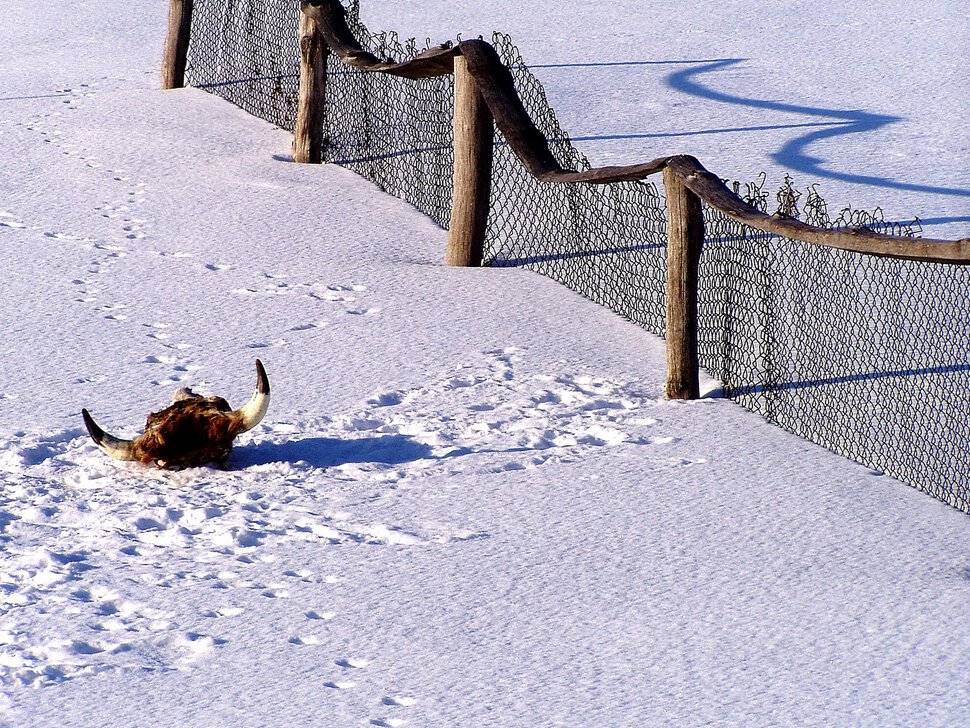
(192, 431)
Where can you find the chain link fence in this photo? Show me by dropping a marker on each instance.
(248, 52)
(866, 356)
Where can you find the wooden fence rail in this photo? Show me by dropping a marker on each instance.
(484, 90)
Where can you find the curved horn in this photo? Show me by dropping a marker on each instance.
(252, 413)
(115, 447)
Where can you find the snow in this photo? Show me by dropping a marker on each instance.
(469, 503)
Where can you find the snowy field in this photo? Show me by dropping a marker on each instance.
(469, 504)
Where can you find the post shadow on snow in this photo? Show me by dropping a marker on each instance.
(781, 386)
(929, 221)
(58, 95)
(329, 452)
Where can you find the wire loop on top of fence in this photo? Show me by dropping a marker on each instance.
(866, 355)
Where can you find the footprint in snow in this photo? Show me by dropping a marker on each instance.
(340, 684)
(319, 615)
(352, 663)
(404, 701)
(223, 612)
(9, 220)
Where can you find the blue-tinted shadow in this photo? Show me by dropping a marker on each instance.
(835, 380)
(328, 452)
(795, 153)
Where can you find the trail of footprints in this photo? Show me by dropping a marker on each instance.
(347, 296)
(124, 230)
(128, 233)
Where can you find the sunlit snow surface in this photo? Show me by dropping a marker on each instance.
(469, 503)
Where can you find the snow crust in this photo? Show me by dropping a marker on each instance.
(469, 503)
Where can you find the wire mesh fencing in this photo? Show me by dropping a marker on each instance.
(248, 52)
(396, 132)
(866, 356)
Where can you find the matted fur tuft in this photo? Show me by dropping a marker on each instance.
(188, 433)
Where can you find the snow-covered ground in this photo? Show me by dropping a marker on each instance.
(469, 504)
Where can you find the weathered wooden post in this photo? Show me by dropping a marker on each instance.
(474, 134)
(177, 43)
(310, 110)
(685, 239)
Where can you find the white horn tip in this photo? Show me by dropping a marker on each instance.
(251, 414)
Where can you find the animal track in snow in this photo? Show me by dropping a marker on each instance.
(320, 615)
(405, 701)
(394, 701)
(9, 220)
(309, 327)
(340, 684)
(353, 663)
(67, 512)
(224, 612)
(345, 295)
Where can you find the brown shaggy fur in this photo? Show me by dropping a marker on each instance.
(190, 432)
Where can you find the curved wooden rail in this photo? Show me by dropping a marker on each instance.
(330, 17)
(495, 83)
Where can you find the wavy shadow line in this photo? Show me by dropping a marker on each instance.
(794, 154)
(610, 64)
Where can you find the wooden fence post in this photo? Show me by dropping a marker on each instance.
(311, 106)
(474, 134)
(177, 43)
(685, 239)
